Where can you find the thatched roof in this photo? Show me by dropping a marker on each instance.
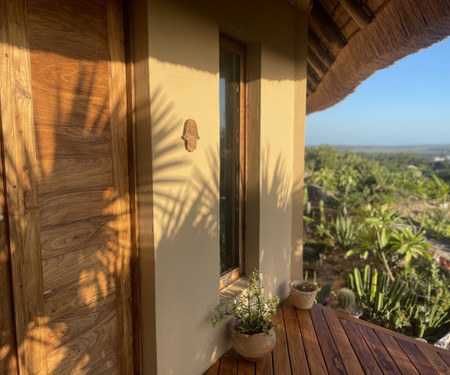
(351, 39)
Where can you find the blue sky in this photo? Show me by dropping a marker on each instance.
(405, 104)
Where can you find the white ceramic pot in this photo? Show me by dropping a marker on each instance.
(304, 298)
(252, 347)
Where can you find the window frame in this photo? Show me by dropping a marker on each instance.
(233, 45)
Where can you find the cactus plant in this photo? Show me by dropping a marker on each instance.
(345, 298)
(323, 294)
(380, 300)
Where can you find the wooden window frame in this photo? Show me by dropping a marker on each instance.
(231, 44)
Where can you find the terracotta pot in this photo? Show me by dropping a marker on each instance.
(303, 300)
(252, 347)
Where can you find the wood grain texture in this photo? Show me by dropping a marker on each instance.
(91, 171)
(329, 350)
(63, 239)
(343, 344)
(71, 206)
(71, 297)
(21, 188)
(446, 357)
(335, 339)
(397, 354)
(213, 370)
(97, 263)
(77, 28)
(380, 353)
(129, 44)
(119, 146)
(361, 322)
(245, 367)
(265, 366)
(313, 353)
(62, 141)
(8, 345)
(297, 355)
(69, 327)
(93, 351)
(280, 353)
(367, 361)
(416, 357)
(435, 360)
(228, 363)
(78, 197)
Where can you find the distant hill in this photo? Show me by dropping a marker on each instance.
(427, 151)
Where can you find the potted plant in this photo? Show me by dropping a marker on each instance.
(303, 294)
(252, 333)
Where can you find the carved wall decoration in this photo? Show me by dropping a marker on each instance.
(190, 135)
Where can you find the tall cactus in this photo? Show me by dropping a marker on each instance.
(378, 298)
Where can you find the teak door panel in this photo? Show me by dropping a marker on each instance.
(64, 113)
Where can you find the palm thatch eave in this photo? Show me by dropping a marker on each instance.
(401, 28)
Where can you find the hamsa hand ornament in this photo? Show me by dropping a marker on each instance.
(190, 135)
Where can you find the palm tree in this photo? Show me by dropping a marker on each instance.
(347, 178)
(325, 179)
(440, 189)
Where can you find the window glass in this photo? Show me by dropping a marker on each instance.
(231, 158)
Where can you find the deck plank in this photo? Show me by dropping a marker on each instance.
(342, 342)
(324, 341)
(445, 357)
(329, 350)
(380, 353)
(398, 355)
(435, 360)
(296, 348)
(264, 366)
(245, 367)
(416, 357)
(228, 363)
(312, 348)
(214, 369)
(280, 353)
(368, 363)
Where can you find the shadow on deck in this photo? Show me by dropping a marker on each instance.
(324, 341)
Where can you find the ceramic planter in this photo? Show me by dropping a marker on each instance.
(254, 346)
(303, 294)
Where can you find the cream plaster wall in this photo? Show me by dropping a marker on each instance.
(180, 275)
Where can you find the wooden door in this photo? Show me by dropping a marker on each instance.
(67, 246)
(8, 347)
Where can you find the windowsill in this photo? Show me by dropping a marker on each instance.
(234, 290)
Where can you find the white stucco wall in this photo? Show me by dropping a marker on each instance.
(180, 278)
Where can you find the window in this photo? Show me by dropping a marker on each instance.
(232, 159)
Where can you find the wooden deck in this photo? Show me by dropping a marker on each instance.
(323, 341)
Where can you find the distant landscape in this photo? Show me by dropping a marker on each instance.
(426, 151)
(377, 229)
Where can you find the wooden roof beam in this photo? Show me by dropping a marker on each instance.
(316, 64)
(312, 78)
(324, 26)
(309, 90)
(355, 11)
(315, 45)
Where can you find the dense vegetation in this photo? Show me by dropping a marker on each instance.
(382, 210)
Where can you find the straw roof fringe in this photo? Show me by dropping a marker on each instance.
(401, 28)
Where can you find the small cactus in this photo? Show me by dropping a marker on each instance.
(346, 298)
(323, 293)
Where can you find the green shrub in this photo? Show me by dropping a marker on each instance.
(250, 308)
